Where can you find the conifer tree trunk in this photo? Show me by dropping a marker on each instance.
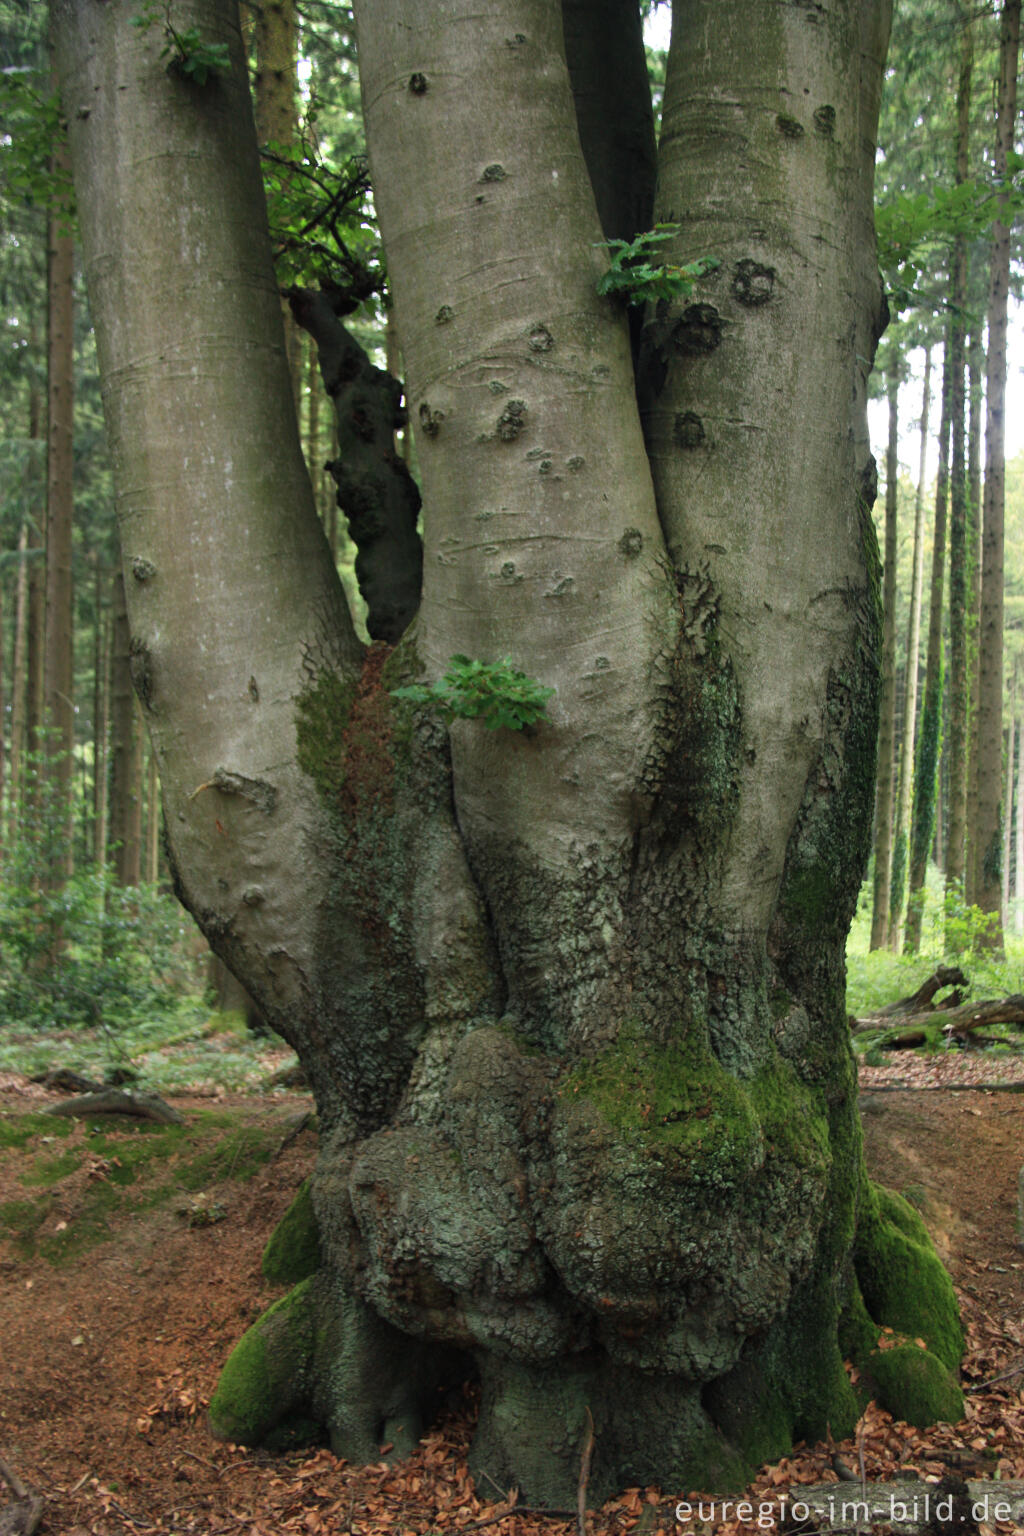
(58, 677)
(926, 776)
(151, 867)
(908, 735)
(1018, 884)
(990, 707)
(959, 683)
(975, 432)
(124, 818)
(100, 717)
(27, 661)
(276, 115)
(19, 681)
(1010, 745)
(884, 792)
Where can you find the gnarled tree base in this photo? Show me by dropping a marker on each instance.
(322, 1364)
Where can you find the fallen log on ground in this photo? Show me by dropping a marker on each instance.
(954, 1024)
(111, 1101)
(920, 1001)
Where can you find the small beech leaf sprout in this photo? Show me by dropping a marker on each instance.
(495, 692)
(187, 52)
(639, 276)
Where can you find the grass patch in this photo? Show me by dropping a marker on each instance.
(135, 1166)
(18, 1130)
(875, 978)
(174, 1053)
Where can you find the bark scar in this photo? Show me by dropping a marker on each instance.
(262, 794)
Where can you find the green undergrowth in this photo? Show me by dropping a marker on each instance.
(169, 1054)
(80, 1180)
(876, 978)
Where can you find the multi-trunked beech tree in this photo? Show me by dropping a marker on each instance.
(571, 997)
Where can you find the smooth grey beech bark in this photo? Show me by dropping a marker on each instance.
(571, 998)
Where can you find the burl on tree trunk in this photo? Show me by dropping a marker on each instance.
(570, 999)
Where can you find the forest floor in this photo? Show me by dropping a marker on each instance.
(130, 1264)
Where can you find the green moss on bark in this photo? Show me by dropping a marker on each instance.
(902, 1281)
(680, 1097)
(321, 716)
(293, 1251)
(263, 1395)
(915, 1386)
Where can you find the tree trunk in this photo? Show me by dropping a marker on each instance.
(151, 867)
(990, 700)
(908, 734)
(101, 719)
(571, 998)
(26, 701)
(959, 685)
(277, 121)
(975, 365)
(19, 684)
(887, 721)
(926, 776)
(1018, 885)
(1009, 737)
(58, 666)
(124, 817)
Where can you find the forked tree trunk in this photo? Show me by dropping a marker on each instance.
(571, 998)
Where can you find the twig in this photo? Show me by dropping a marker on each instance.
(143, 1525)
(201, 1460)
(980, 1386)
(519, 1509)
(581, 1496)
(296, 1130)
(503, 1493)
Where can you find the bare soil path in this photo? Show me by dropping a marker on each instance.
(109, 1355)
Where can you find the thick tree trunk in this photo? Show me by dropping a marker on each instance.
(990, 698)
(908, 735)
(884, 791)
(926, 777)
(571, 998)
